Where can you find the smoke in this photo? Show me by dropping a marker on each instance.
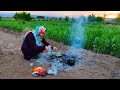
(77, 37)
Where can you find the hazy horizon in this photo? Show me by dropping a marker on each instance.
(109, 14)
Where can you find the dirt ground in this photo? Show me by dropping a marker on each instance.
(13, 66)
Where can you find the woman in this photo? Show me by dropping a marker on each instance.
(34, 43)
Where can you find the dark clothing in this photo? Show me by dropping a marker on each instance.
(29, 48)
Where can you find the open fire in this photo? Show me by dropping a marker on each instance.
(63, 58)
(59, 60)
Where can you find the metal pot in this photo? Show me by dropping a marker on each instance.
(71, 62)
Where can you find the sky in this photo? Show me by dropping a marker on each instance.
(110, 14)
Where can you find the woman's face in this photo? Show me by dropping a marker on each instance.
(42, 34)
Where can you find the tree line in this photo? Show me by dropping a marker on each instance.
(91, 18)
(27, 17)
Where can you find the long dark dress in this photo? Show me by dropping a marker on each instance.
(29, 48)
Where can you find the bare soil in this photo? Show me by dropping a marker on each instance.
(14, 66)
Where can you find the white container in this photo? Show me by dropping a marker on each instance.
(49, 50)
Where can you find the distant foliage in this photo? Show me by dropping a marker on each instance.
(99, 19)
(73, 19)
(41, 17)
(0, 17)
(118, 17)
(66, 18)
(23, 16)
(93, 18)
(60, 18)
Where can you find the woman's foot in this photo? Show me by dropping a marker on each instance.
(27, 57)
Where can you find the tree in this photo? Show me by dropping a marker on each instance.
(73, 19)
(47, 18)
(41, 17)
(91, 18)
(60, 18)
(55, 18)
(104, 16)
(99, 19)
(0, 17)
(23, 16)
(82, 18)
(118, 17)
(66, 18)
(52, 18)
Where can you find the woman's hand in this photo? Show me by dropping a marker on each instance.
(54, 48)
(46, 48)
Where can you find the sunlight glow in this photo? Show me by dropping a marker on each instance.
(111, 16)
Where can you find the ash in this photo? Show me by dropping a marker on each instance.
(60, 60)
